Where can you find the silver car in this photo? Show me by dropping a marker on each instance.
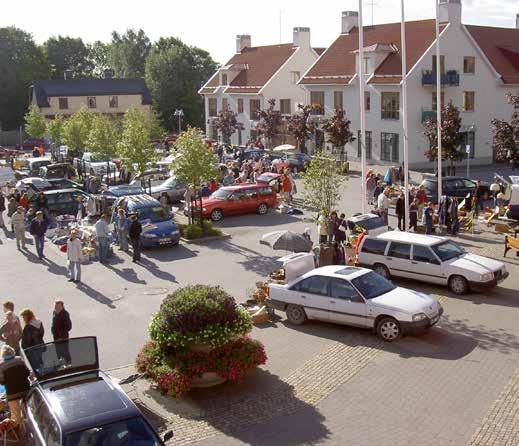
(172, 187)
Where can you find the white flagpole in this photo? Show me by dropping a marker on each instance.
(438, 99)
(362, 110)
(404, 119)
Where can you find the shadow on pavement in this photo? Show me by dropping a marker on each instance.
(255, 220)
(241, 410)
(128, 274)
(96, 295)
(156, 271)
(170, 253)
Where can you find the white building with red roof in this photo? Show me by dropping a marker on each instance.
(253, 76)
(479, 65)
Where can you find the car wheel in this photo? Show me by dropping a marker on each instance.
(382, 270)
(388, 329)
(458, 285)
(216, 215)
(296, 315)
(263, 209)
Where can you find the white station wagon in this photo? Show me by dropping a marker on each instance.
(429, 258)
(355, 296)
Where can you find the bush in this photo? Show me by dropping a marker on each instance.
(199, 314)
(194, 231)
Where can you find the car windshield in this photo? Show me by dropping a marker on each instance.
(170, 182)
(372, 285)
(221, 194)
(266, 178)
(131, 432)
(154, 214)
(447, 250)
(371, 223)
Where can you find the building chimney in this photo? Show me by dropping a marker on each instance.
(450, 11)
(517, 21)
(108, 73)
(242, 41)
(68, 74)
(302, 37)
(350, 19)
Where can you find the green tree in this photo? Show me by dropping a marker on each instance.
(174, 74)
(35, 124)
(157, 131)
(322, 182)
(128, 52)
(67, 53)
(102, 138)
(21, 62)
(506, 134)
(451, 136)
(196, 163)
(227, 124)
(55, 129)
(98, 57)
(134, 146)
(76, 130)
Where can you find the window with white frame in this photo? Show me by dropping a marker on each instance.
(389, 147)
(390, 105)
(469, 101)
(338, 100)
(295, 76)
(213, 107)
(285, 106)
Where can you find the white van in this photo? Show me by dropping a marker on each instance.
(429, 258)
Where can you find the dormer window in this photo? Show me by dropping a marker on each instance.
(224, 79)
(367, 65)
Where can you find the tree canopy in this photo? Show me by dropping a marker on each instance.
(506, 133)
(300, 127)
(128, 52)
(55, 129)
(76, 130)
(35, 124)
(338, 130)
(67, 53)
(103, 137)
(269, 121)
(227, 124)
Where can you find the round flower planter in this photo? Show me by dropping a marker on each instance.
(208, 379)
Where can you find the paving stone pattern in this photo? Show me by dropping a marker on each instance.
(306, 386)
(501, 425)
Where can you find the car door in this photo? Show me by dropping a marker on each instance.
(312, 294)
(399, 259)
(426, 266)
(235, 203)
(251, 201)
(31, 408)
(346, 305)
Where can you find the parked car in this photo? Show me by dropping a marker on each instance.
(30, 167)
(62, 201)
(33, 184)
(429, 258)
(374, 224)
(298, 162)
(63, 183)
(244, 198)
(151, 177)
(114, 193)
(355, 296)
(91, 165)
(73, 403)
(453, 187)
(270, 178)
(172, 187)
(57, 170)
(158, 227)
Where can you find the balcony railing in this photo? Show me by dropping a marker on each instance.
(391, 114)
(428, 115)
(451, 78)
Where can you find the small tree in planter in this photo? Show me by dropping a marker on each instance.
(338, 130)
(269, 122)
(300, 127)
(199, 332)
(227, 124)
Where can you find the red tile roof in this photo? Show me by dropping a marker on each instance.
(501, 46)
(319, 51)
(339, 59)
(262, 63)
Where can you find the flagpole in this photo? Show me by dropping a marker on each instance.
(404, 119)
(362, 110)
(438, 100)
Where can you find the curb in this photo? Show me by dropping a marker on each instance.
(224, 236)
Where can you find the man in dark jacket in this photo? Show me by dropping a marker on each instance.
(14, 375)
(38, 229)
(135, 237)
(400, 211)
(61, 326)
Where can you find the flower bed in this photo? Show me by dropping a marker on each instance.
(194, 231)
(198, 330)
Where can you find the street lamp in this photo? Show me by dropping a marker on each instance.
(179, 113)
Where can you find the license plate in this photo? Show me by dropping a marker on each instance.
(164, 240)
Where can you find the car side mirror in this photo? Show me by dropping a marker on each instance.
(168, 435)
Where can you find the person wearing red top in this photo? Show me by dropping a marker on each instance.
(213, 186)
(421, 198)
(286, 188)
(24, 201)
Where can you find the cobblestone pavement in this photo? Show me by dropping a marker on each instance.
(501, 425)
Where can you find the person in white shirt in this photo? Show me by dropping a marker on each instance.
(74, 257)
(383, 205)
(102, 234)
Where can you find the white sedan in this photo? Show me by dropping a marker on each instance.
(355, 296)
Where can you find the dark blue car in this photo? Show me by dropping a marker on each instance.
(158, 227)
(73, 403)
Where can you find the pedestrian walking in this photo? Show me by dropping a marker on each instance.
(377, 191)
(11, 331)
(478, 198)
(371, 184)
(428, 216)
(38, 229)
(33, 331)
(24, 201)
(135, 232)
(421, 198)
(102, 235)
(333, 226)
(122, 225)
(74, 249)
(340, 231)
(18, 222)
(383, 205)
(322, 222)
(400, 211)
(2, 209)
(14, 376)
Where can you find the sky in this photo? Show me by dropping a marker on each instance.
(214, 24)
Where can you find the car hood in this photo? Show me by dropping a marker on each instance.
(475, 263)
(406, 301)
(161, 228)
(159, 188)
(207, 201)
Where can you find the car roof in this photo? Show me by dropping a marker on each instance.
(59, 191)
(141, 201)
(358, 218)
(399, 236)
(87, 400)
(242, 186)
(30, 180)
(338, 271)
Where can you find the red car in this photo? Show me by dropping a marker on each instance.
(245, 198)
